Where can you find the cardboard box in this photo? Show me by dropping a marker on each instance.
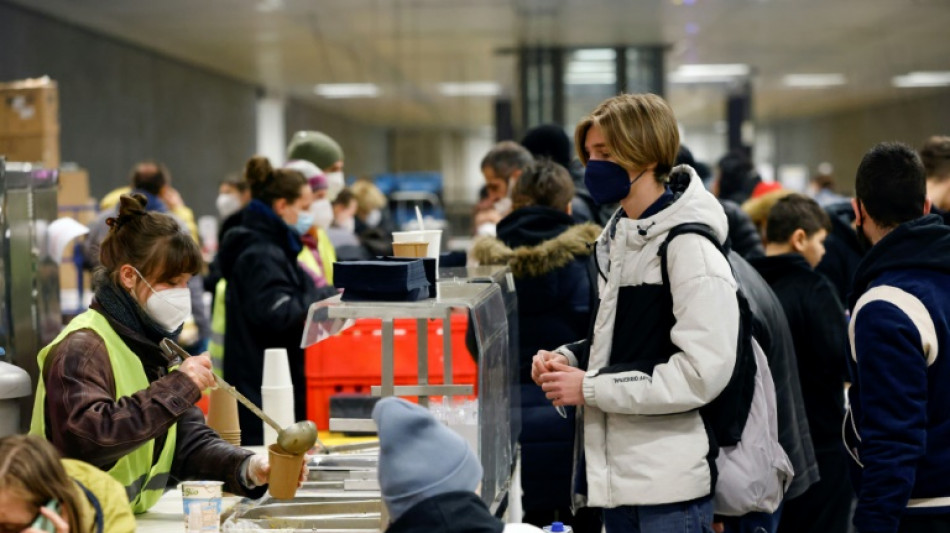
(32, 148)
(29, 107)
(73, 188)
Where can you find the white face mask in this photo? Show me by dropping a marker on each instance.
(349, 224)
(503, 206)
(374, 218)
(168, 308)
(322, 213)
(335, 183)
(227, 204)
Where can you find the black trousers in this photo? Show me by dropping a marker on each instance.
(925, 524)
(826, 506)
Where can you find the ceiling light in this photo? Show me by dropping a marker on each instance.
(594, 54)
(813, 81)
(922, 79)
(347, 90)
(269, 6)
(710, 73)
(590, 78)
(474, 88)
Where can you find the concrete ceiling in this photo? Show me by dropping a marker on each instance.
(407, 47)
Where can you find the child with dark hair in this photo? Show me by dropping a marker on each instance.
(795, 230)
(548, 256)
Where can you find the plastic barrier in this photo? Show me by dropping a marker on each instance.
(351, 362)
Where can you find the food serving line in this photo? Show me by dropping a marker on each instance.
(342, 492)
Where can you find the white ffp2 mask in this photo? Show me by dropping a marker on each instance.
(168, 308)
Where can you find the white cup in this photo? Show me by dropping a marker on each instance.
(278, 403)
(202, 505)
(431, 236)
(276, 368)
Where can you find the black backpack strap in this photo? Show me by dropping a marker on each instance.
(689, 227)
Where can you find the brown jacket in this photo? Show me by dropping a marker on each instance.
(86, 422)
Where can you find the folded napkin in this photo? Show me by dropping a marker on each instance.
(380, 280)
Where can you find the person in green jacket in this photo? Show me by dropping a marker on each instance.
(32, 475)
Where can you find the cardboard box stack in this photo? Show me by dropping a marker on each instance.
(74, 202)
(29, 121)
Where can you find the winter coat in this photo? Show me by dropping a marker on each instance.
(744, 238)
(900, 404)
(657, 354)
(86, 422)
(842, 250)
(452, 512)
(817, 322)
(548, 257)
(267, 300)
(770, 329)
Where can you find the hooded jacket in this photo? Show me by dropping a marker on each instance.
(644, 438)
(842, 250)
(548, 257)
(900, 404)
(266, 302)
(817, 321)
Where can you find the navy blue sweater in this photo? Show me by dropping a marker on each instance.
(900, 399)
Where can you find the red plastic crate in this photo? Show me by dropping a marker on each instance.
(351, 361)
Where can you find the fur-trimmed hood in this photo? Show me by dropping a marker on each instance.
(530, 261)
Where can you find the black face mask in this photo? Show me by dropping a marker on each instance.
(864, 243)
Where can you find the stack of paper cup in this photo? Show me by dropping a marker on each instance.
(431, 236)
(277, 392)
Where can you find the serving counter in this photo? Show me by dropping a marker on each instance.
(487, 295)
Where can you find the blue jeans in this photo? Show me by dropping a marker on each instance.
(694, 516)
(753, 522)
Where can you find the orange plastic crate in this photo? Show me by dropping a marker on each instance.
(351, 361)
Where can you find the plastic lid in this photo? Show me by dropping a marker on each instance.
(14, 382)
(557, 526)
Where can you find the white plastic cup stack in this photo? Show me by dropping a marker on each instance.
(277, 392)
(431, 236)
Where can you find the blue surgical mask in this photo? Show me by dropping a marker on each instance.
(304, 222)
(607, 181)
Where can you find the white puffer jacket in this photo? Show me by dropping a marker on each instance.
(644, 439)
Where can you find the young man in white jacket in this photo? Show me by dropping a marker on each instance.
(656, 354)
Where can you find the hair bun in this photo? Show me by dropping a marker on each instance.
(131, 207)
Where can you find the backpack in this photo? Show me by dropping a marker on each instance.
(726, 415)
(753, 470)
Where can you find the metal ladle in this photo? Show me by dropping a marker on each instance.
(295, 439)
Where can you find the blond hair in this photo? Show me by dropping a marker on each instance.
(368, 196)
(30, 467)
(639, 130)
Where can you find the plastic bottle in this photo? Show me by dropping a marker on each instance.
(558, 527)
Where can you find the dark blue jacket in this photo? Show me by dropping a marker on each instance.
(266, 304)
(548, 256)
(900, 400)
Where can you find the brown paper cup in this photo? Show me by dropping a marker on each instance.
(284, 472)
(223, 413)
(410, 249)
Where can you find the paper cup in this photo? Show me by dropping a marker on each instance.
(223, 412)
(431, 236)
(276, 368)
(410, 249)
(284, 472)
(278, 403)
(202, 504)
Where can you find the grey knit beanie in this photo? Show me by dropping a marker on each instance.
(419, 457)
(316, 147)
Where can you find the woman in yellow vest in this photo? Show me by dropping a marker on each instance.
(109, 396)
(34, 481)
